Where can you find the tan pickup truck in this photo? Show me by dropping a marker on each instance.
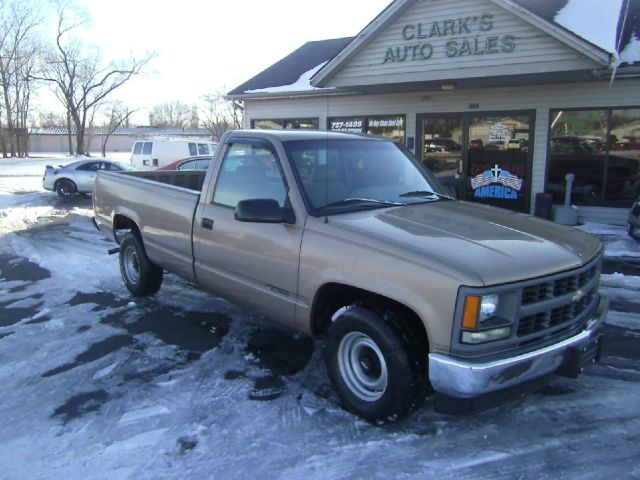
(350, 239)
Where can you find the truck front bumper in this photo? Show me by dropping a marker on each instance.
(458, 379)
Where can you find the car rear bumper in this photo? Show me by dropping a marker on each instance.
(467, 380)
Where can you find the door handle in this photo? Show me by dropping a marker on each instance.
(207, 223)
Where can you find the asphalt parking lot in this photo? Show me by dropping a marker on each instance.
(187, 385)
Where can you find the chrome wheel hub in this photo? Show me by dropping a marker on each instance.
(362, 366)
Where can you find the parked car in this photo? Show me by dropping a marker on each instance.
(571, 154)
(78, 177)
(189, 163)
(633, 225)
(441, 145)
(155, 153)
(476, 144)
(349, 239)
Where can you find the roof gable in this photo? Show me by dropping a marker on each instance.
(425, 40)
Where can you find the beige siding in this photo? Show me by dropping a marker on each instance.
(535, 51)
(538, 98)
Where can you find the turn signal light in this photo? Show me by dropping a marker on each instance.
(471, 311)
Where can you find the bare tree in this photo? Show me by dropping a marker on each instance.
(175, 114)
(80, 78)
(19, 54)
(220, 114)
(118, 116)
(48, 119)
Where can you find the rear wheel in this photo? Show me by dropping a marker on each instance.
(65, 188)
(140, 276)
(375, 364)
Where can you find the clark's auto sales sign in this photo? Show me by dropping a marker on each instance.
(457, 37)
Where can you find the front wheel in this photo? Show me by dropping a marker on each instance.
(375, 365)
(140, 276)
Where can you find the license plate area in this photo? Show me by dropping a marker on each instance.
(577, 358)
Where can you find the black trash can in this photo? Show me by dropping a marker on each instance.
(544, 202)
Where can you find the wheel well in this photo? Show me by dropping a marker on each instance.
(58, 180)
(122, 224)
(333, 296)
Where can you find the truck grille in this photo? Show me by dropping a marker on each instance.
(559, 302)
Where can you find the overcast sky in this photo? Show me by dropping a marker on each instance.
(207, 45)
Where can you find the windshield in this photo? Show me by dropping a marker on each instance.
(347, 175)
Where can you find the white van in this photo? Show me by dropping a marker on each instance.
(152, 153)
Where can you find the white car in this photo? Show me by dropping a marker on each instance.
(78, 177)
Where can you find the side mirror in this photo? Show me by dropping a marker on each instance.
(263, 210)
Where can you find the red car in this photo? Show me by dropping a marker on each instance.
(189, 163)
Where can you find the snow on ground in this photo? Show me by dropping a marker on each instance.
(186, 385)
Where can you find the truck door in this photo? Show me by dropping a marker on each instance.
(252, 264)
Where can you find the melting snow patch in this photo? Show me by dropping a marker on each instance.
(105, 371)
(625, 320)
(302, 84)
(145, 439)
(594, 20)
(620, 281)
(136, 415)
(631, 52)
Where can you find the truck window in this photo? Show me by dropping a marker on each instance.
(146, 148)
(203, 149)
(137, 148)
(249, 171)
(193, 150)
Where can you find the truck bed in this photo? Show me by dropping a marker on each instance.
(193, 180)
(162, 204)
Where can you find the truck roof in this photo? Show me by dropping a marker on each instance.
(288, 135)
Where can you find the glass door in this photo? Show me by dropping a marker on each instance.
(482, 157)
(440, 145)
(498, 161)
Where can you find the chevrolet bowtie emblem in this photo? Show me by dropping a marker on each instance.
(578, 295)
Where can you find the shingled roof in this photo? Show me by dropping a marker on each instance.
(289, 70)
(620, 37)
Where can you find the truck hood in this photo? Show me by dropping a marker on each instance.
(499, 246)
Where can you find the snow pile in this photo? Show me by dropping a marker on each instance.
(302, 84)
(631, 52)
(594, 20)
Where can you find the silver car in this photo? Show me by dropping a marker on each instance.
(78, 177)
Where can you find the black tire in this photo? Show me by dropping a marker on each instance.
(65, 188)
(356, 334)
(140, 276)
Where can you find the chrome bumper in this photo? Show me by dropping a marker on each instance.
(464, 379)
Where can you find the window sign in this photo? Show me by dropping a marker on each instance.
(498, 133)
(390, 126)
(347, 125)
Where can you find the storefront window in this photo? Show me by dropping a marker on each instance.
(623, 179)
(289, 124)
(601, 148)
(390, 126)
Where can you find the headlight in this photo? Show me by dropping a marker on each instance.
(479, 309)
(479, 315)
(488, 307)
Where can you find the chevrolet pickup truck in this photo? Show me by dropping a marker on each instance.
(350, 239)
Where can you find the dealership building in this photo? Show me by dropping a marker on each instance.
(500, 98)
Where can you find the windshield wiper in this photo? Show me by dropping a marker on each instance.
(425, 194)
(370, 201)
